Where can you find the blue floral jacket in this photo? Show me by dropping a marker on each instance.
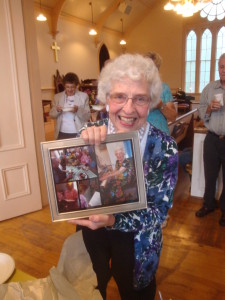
(161, 159)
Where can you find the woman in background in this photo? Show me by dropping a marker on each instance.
(165, 111)
(70, 109)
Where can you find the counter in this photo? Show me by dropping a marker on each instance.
(198, 177)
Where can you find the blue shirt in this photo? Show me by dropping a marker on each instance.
(155, 117)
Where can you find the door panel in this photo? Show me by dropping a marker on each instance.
(19, 182)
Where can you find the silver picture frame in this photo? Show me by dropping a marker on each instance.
(84, 179)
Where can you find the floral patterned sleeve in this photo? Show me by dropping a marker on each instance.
(162, 158)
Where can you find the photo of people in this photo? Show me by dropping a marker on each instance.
(89, 195)
(77, 195)
(67, 197)
(74, 163)
(116, 173)
(84, 179)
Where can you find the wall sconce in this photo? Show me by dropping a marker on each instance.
(41, 17)
(122, 42)
(92, 30)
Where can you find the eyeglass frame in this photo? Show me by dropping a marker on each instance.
(127, 98)
(71, 87)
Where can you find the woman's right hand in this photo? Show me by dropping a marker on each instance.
(95, 221)
(59, 108)
(94, 135)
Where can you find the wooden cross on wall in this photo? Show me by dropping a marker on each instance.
(56, 48)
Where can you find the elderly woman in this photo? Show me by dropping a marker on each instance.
(118, 180)
(165, 111)
(123, 165)
(132, 241)
(70, 108)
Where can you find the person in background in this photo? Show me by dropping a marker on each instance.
(70, 108)
(82, 199)
(127, 245)
(71, 197)
(212, 111)
(59, 175)
(165, 111)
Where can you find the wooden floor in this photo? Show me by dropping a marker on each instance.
(192, 265)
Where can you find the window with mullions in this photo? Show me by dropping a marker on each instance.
(220, 48)
(199, 72)
(190, 64)
(205, 59)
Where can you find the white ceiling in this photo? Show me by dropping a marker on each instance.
(131, 11)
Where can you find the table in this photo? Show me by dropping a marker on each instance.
(198, 177)
(77, 171)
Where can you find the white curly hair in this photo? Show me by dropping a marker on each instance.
(135, 67)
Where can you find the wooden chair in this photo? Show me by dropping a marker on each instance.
(58, 81)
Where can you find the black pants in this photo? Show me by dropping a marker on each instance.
(63, 135)
(214, 158)
(105, 245)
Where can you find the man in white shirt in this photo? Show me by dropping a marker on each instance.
(212, 112)
(70, 109)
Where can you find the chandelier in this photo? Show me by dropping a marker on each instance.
(214, 9)
(186, 8)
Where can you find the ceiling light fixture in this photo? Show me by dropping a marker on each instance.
(41, 17)
(92, 30)
(186, 8)
(214, 9)
(122, 42)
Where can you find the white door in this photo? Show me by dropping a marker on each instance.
(19, 182)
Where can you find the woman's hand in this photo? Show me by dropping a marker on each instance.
(94, 135)
(95, 222)
(169, 111)
(104, 177)
(59, 108)
(75, 108)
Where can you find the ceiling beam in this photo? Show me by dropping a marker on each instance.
(101, 21)
(55, 17)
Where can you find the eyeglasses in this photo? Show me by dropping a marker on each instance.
(70, 87)
(138, 100)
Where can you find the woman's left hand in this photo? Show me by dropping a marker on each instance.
(75, 108)
(95, 222)
(169, 111)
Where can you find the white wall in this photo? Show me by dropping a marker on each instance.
(78, 52)
(161, 31)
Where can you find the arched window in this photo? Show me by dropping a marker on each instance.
(203, 46)
(103, 56)
(190, 62)
(205, 59)
(220, 48)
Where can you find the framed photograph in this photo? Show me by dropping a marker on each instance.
(84, 180)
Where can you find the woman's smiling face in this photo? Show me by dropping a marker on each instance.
(128, 117)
